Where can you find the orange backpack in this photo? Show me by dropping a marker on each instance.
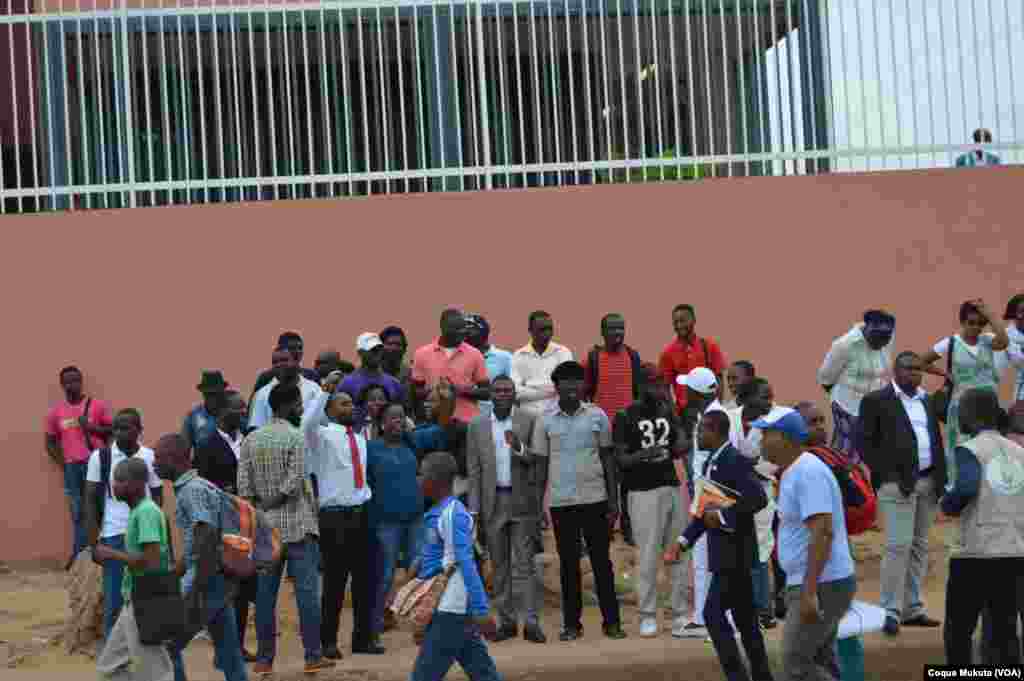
(240, 551)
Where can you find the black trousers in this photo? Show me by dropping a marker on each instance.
(345, 548)
(590, 520)
(247, 590)
(977, 584)
(734, 590)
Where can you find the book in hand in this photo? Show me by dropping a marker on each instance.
(707, 493)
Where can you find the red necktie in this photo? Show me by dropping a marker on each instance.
(357, 462)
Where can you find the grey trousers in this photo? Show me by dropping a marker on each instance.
(124, 658)
(512, 545)
(658, 519)
(908, 520)
(808, 650)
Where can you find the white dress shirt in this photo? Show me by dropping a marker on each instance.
(261, 413)
(531, 372)
(502, 452)
(918, 415)
(234, 443)
(329, 457)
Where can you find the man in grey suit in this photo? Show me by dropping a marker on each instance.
(506, 488)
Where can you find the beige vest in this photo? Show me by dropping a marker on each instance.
(992, 526)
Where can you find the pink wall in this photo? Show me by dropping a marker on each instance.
(144, 299)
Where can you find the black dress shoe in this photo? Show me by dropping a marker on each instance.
(922, 621)
(506, 632)
(372, 648)
(332, 653)
(534, 634)
(570, 634)
(891, 626)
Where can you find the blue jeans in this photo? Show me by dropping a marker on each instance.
(303, 561)
(762, 588)
(113, 572)
(223, 629)
(394, 545)
(74, 490)
(452, 638)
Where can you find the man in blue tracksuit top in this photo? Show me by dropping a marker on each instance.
(462, 617)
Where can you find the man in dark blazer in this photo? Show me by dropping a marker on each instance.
(216, 460)
(732, 552)
(901, 444)
(506, 489)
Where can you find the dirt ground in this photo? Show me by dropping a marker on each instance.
(33, 603)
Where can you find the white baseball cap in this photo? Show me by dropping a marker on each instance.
(368, 341)
(700, 379)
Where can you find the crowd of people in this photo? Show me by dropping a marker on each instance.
(466, 454)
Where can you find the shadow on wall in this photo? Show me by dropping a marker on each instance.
(145, 299)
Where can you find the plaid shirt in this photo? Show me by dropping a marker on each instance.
(198, 501)
(273, 462)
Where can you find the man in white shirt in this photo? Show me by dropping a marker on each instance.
(107, 517)
(287, 372)
(702, 391)
(533, 363)
(903, 447)
(813, 549)
(857, 363)
(336, 454)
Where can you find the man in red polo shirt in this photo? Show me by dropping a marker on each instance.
(687, 352)
(452, 358)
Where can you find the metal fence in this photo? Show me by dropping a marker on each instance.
(148, 102)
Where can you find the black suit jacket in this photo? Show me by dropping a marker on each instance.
(215, 461)
(887, 441)
(735, 546)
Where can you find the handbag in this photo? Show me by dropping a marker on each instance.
(944, 395)
(158, 606)
(416, 602)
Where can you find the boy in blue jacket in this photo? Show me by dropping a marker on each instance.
(462, 617)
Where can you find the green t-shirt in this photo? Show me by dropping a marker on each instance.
(146, 525)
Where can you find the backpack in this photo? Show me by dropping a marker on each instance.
(593, 370)
(859, 497)
(256, 541)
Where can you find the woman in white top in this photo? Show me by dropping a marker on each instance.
(979, 360)
(1014, 318)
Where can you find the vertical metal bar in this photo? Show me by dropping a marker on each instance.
(420, 115)
(290, 99)
(826, 11)
(535, 58)
(521, 110)
(346, 96)
(792, 80)
(473, 123)
(725, 83)
(863, 80)
(977, 64)
(688, 18)
(996, 124)
(218, 100)
(639, 74)
(201, 72)
(311, 168)
(590, 153)
(962, 73)
(48, 87)
(743, 91)
(257, 139)
(362, 89)
(83, 115)
(657, 86)
(764, 137)
(325, 104)
(68, 154)
(144, 39)
(15, 110)
(572, 90)
(385, 119)
(913, 84)
(707, 86)
(236, 66)
(945, 72)
(401, 94)
(506, 133)
(38, 200)
(623, 83)
(555, 93)
(186, 112)
(896, 78)
(165, 66)
(271, 77)
(439, 86)
(481, 65)
(806, 29)
(1013, 87)
(677, 143)
(606, 109)
(876, 39)
(454, 75)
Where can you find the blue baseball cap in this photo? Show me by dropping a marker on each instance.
(787, 421)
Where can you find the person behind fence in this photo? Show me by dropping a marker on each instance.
(462, 619)
(147, 549)
(985, 569)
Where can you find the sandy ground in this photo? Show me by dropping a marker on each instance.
(32, 610)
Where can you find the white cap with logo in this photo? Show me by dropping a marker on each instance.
(700, 379)
(368, 341)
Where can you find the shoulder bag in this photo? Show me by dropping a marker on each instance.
(158, 606)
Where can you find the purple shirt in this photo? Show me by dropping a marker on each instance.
(357, 381)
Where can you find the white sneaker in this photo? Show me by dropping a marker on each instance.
(679, 627)
(690, 630)
(648, 627)
(203, 635)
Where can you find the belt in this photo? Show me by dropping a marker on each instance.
(343, 509)
(507, 489)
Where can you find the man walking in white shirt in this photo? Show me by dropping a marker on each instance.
(533, 363)
(287, 372)
(336, 454)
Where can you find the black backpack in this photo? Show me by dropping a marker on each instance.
(593, 371)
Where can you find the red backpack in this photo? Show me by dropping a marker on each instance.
(859, 497)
